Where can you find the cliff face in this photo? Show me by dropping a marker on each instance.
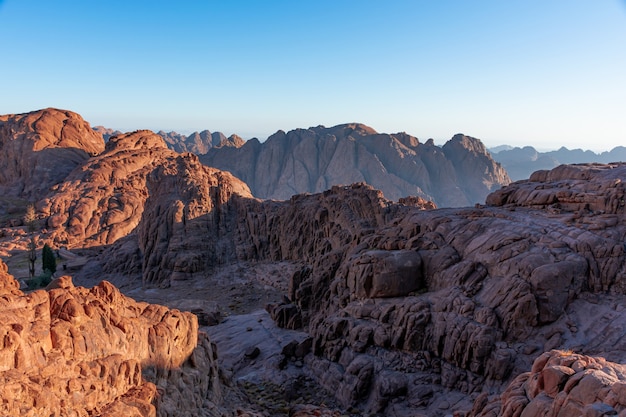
(398, 299)
(312, 160)
(78, 352)
(39, 149)
(406, 307)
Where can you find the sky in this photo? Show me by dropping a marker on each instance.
(544, 73)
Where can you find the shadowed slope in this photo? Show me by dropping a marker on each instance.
(312, 160)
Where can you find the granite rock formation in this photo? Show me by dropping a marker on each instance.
(398, 299)
(107, 133)
(561, 384)
(39, 149)
(89, 352)
(460, 173)
(104, 199)
(408, 309)
(199, 142)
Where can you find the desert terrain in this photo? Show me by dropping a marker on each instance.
(179, 292)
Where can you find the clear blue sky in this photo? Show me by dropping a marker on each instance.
(546, 73)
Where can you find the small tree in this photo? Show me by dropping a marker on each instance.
(48, 259)
(32, 256)
(30, 220)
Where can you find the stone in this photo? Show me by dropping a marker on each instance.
(379, 273)
(75, 351)
(41, 148)
(562, 390)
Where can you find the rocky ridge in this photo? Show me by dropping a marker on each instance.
(77, 352)
(408, 310)
(39, 149)
(199, 142)
(460, 173)
(104, 199)
(399, 300)
(520, 163)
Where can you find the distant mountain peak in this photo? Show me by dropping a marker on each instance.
(313, 160)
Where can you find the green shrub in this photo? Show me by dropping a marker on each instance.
(48, 259)
(40, 281)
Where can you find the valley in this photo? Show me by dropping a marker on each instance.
(192, 292)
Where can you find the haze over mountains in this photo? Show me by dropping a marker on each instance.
(520, 163)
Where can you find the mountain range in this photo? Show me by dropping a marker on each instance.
(460, 173)
(520, 163)
(512, 307)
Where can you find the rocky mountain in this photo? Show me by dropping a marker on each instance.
(39, 149)
(105, 198)
(106, 132)
(424, 309)
(520, 163)
(460, 173)
(199, 142)
(396, 308)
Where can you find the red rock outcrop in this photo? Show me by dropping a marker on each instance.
(312, 160)
(77, 352)
(39, 149)
(104, 199)
(185, 218)
(561, 384)
(469, 296)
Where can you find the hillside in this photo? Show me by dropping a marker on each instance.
(341, 301)
(39, 149)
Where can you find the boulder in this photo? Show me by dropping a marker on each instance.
(562, 383)
(81, 352)
(377, 273)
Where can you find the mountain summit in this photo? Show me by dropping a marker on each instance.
(460, 173)
(40, 148)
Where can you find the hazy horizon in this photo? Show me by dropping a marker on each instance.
(521, 73)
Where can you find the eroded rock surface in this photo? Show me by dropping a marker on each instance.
(471, 295)
(104, 199)
(561, 383)
(77, 352)
(199, 142)
(39, 149)
(312, 160)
